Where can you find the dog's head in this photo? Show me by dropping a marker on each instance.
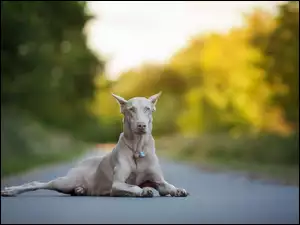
(138, 112)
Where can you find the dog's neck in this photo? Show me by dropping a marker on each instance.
(136, 142)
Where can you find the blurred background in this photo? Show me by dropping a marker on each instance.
(229, 73)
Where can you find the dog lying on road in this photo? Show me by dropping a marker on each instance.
(130, 169)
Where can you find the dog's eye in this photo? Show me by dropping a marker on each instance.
(132, 109)
(147, 109)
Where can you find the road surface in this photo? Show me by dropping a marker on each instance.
(215, 198)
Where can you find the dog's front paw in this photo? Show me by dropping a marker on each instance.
(80, 191)
(147, 192)
(179, 192)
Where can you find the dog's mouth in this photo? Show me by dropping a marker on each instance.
(141, 132)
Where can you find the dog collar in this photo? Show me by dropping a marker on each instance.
(137, 154)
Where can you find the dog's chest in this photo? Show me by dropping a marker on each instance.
(140, 165)
(138, 171)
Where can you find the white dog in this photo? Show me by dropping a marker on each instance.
(130, 169)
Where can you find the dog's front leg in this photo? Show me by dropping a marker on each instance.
(162, 186)
(122, 189)
(166, 188)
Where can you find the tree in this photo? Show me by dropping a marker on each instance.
(282, 65)
(47, 68)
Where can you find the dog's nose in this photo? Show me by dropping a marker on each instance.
(141, 125)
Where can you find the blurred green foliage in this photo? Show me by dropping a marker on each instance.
(47, 83)
(27, 143)
(243, 81)
(46, 67)
(265, 156)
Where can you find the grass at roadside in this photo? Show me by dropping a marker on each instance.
(14, 165)
(264, 157)
(26, 144)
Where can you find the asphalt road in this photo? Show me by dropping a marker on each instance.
(215, 198)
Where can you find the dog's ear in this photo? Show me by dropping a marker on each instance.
(153, 99)
(122, 102)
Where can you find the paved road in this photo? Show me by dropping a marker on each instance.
(215, 198)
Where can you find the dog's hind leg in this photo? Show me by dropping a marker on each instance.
(65, 185)
(16, 190)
